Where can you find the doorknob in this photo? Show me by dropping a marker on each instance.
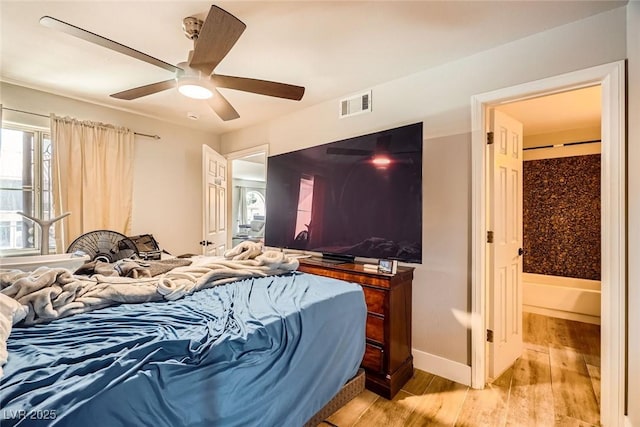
(205, 243)
(520, 252)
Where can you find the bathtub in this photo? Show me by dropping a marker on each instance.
(563, 297)
(32, 262)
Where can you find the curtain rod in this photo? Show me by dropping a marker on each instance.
(566, 144)
(45, 116)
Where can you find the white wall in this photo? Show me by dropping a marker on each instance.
(167, 190)
(633, 191)
(440, 97)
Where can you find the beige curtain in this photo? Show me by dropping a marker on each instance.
(92, 173)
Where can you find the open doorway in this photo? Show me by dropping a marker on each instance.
(559, 245)
(247, 195)
(561, 206)
(611, 79)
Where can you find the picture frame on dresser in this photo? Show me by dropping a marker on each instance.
(389, 266)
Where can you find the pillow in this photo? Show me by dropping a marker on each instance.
(257, 225)
(11, 312)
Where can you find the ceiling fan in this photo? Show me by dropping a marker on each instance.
(213, 38)
(381, 156)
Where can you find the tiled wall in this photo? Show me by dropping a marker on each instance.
(561, 216)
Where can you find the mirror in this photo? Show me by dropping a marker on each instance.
(248, 196)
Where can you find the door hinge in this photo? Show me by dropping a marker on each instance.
(489, 236)
(489, 138)
(489, 335)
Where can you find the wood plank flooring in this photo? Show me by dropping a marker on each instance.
(556, 382)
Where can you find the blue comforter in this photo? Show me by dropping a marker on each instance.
(259, 352)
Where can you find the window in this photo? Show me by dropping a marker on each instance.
(255, 205)
(305, 202)
(25, 186)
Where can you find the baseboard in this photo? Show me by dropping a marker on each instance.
(445, 368)
(595, 320)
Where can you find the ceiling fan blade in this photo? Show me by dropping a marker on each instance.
(221, 106)
(262, 87)
(80, 33)
(348, 151)
(139, 92)
(220, 31)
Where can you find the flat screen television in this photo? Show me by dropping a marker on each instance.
(360, 197)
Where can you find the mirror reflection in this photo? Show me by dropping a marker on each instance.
(248, 195)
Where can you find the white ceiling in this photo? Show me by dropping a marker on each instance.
(577, 109)
(250, 168)
(332, 48)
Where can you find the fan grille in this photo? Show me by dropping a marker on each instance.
(104, 245)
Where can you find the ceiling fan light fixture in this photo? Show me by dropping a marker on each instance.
(192, 83)
(381, 161)
(195, 91)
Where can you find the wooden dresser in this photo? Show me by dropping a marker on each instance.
(387, 359)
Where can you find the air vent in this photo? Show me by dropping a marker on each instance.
(356, 104)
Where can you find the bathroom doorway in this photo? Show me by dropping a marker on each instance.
(611, 79)
(561, 261)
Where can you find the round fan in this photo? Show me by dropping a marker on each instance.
(104, 245)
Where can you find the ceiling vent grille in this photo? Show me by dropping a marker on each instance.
(354, 105)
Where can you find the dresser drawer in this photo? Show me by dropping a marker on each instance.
(375, 300)
(373, 358)
(375, 328)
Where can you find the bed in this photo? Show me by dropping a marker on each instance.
(260, 351)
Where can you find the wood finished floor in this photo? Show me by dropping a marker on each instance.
(556, 382)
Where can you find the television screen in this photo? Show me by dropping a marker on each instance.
(359, 197)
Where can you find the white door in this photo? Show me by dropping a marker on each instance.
(505, 253)
(214, 184)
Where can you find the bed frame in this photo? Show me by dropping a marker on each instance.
(351, 389)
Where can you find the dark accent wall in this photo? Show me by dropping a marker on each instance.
(561, 216)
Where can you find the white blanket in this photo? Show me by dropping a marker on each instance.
(11, 312)
(51, 293)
